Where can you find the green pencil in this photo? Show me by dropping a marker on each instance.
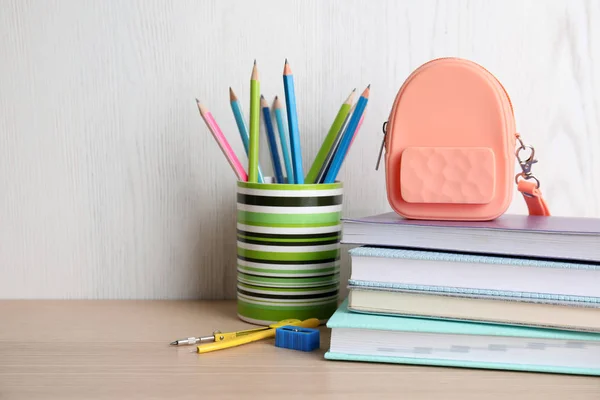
(329, 139)
(254, 138)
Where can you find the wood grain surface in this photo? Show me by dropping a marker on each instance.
(107, 349)
(112, 187)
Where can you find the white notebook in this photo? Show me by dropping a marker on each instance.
(539, 279)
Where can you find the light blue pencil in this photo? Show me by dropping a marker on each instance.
(283, 137)
(290, 103)
(241, 124)
(346, 140)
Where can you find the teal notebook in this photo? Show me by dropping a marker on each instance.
(392, 339)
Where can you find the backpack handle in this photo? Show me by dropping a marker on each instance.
(527, 183)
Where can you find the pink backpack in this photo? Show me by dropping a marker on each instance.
(450, 144)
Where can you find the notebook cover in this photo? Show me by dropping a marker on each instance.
(350, 287)
(461, 364)
(449, 256)
(472, 292)
(493, 321)
(510, 222)
(343, 318)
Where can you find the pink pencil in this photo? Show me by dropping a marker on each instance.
(223, 143)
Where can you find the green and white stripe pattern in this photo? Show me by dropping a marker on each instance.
(288, 250)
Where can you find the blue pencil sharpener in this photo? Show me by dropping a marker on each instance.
(297, 338)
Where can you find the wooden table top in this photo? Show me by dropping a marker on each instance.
(120, 350)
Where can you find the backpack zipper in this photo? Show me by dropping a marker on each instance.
(382, 145)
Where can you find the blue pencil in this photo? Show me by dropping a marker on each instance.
(290, 103)
(346, 140)
(272, 140)
(283, 138)
(325, 167)
(241, 124)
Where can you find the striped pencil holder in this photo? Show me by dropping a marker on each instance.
(288, 251)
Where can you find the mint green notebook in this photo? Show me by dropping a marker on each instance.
(392, 339)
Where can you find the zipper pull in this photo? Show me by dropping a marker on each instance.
(382, 145)
(526, 163)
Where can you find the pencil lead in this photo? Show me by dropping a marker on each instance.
(173, 343)
(262, 97)
(197, 101)
(255, 61)
(354, 90)
(286, 61)
(369, 87)
(276, 97)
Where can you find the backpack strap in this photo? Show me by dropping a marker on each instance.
(527, 183)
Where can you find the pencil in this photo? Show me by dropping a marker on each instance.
(329, 141)
(290, 103)
(283, 138)
(272, 141)
(342, 150)
(212, 125)
(325, 167)
(362, 118)
(241, 124)
(253, 151)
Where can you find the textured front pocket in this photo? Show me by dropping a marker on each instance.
(451, 175)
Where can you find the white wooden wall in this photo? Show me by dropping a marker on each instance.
(112, 187)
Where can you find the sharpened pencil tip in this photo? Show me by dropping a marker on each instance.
(255, 61)
(254, 75)
(262, 97)
(350, 97)
(366, 92)
(201, 107)
(232, 96)
(173, 343)
(287, 70)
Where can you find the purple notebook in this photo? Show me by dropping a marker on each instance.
(573, 238)
(511, 222)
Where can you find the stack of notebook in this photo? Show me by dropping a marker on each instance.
(518, 293)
